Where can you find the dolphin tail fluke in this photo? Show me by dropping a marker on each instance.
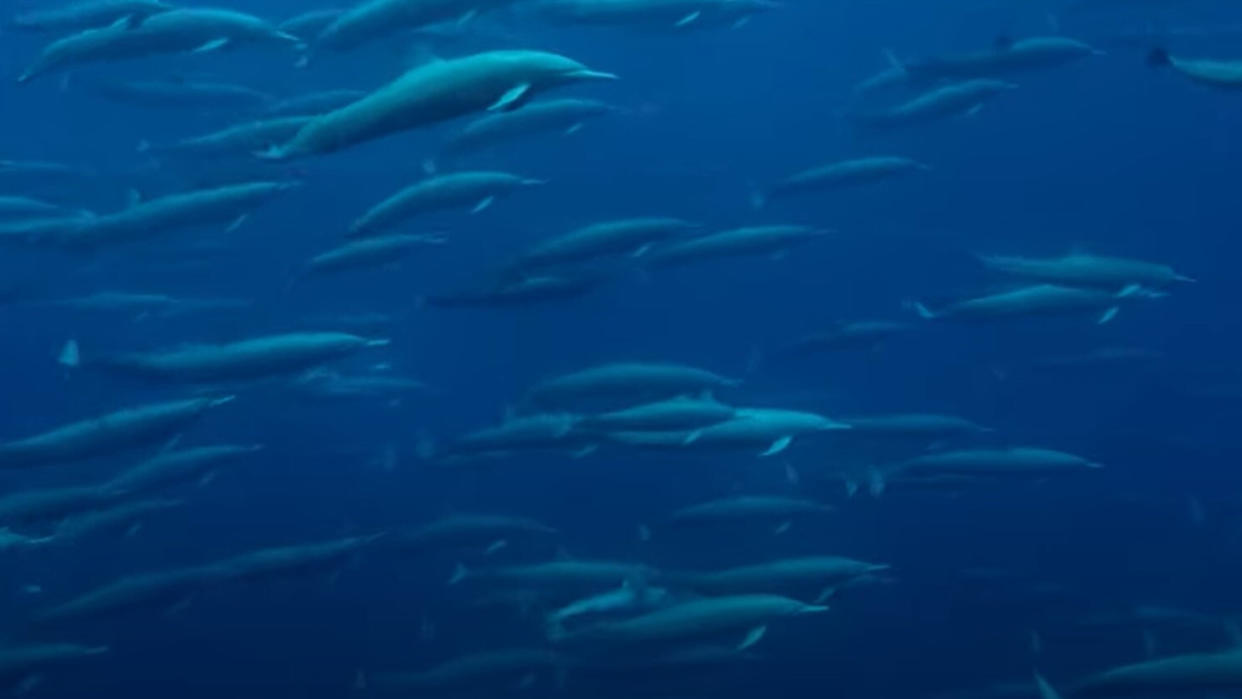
(1158, 58)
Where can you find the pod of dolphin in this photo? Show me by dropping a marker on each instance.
(581, 615)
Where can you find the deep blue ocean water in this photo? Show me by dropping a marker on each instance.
(1104, 155)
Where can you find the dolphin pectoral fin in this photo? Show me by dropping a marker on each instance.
(778, 446)
(573, 129)
(171, 443)
(688, 19)
(495, 546)
(180, 606)
(1149, 643)
(467, 17)
(824, 595)
(133, 530)
(527, 681)
(741, 22)
(642, 250)
(851, 487)
(875, 483)
(1046, 691)
(237, 223)
(782, 528)
(692, 437)
(1108, 315)
(70, 355)
(752, 637)
(974, 111)
(923, 311)
(584, 451)
(27, 685)
(894, 62)
(511, 99)
(213, 45)
(483, 204)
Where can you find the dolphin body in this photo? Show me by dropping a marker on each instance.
(198, 30)
(435, 92)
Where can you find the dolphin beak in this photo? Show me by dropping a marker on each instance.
(593, 75)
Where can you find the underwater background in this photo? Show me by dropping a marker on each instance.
(1106, 155)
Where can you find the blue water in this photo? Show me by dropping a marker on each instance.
(1105, 155)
